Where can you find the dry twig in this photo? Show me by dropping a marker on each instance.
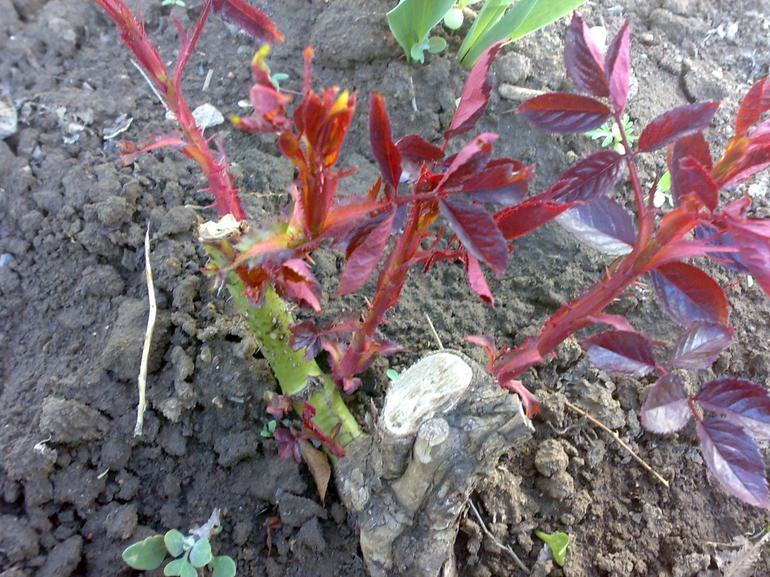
(435, 333)
(618, 440)
(489, 534)
(142, 380)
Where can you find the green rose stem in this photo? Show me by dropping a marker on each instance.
(270, 323)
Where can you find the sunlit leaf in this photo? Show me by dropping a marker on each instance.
(477, 281)
(384, 150)
(200, 554)
(558, 543)
(692, 177)
(618, 67)
(478, 232)
(584, 59)
(525, 17)
(756, 101)
(564, 113)
(174, 541)
(475, 95)
(620, 352)
(688, 294)
(734, 459)
(601, 224)
(222, 566)
(665, 410)
(744, 402)
(251, 20)
(701, 345)
(147, 554)
(676, 123)
(590, 178)
(412, 20)
(364, 252)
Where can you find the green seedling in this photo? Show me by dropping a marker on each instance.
(278, 77)
(189, 552)
(610, 136)
(412, 21)
(269, 429)
(558, 543)
(392, 374)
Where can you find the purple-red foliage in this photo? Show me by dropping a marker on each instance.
(700, 225)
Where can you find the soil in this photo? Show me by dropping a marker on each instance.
(77, 487)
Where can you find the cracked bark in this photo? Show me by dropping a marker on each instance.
(444, 425)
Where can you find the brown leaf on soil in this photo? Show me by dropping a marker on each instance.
(318, 463)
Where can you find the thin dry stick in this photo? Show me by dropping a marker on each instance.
(505, 548)
(435, 334)
(151, 85)
(618, 440)
(142, 381)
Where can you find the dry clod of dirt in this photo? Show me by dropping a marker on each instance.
(102, 280)
(121, 521)
(363, 38)
(71, 422)
(18, 541)
(63, 559)
(559, 487)
(236, 447)
(597, 401)
(295, 511)
(310, 535)
(551, 458)
(513, 67)
(123, 349)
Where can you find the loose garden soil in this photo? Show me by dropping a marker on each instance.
(77, 487)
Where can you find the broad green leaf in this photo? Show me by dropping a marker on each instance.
(147, 554)
(488, 16)
(200, 554)
(525, 17)
(222, 566)
(188, 571)
(454, 18)
(174, 568)
(558, 543)
(412, 20)
(436, 44)
(174, 541)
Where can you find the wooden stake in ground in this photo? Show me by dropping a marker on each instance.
(142, 380)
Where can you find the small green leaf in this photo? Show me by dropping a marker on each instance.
(392, 374)
(436, 44)
(416, 52)
(147, 554)
(200, 554)
(454, 18)
(174, 568)
(277, 78)
(558, 543)
(222, 566)
(174, 541)
(412, 20)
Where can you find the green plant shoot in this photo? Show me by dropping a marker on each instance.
(411, 22)
(558, 543)
(496, 22)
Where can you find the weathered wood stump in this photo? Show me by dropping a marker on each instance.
(444, 425)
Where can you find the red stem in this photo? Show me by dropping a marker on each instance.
(575, 316)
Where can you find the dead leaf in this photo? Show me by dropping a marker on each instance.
(318, 463)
